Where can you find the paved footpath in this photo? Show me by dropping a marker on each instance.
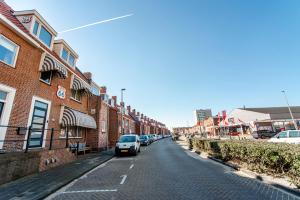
(164, 171)
(39, 186)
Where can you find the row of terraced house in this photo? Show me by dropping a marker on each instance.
(47, 104)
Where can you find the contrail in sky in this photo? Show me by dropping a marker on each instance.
(95, 23)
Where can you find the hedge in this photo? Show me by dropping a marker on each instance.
(270, 158)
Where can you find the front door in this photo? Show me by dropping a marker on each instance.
(38, 122)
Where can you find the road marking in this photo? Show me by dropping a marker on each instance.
(88, 191)
(123, 179)
(131, 166)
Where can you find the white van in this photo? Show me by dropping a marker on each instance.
(128, 144)
(291, 137)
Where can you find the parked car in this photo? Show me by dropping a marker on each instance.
(263, 134)
(128, 144)
(291, 137)
(145, 140)
(151, 138)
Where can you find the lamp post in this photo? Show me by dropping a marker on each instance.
(122, 108)
(287, 102)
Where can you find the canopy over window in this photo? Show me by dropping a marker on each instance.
(75, 118)
(50, 64)
(78, 84)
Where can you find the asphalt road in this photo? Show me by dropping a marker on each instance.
(164, 171)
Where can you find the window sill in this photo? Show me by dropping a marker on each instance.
(9, 65)
(75, 100)
(70, 137)
(45, 82)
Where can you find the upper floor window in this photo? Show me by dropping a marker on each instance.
(71, 60)
(8, 51)
(68, 57)
(76, 95)
(46, 77)
(45, 36)
(64, 54)
(36, 28)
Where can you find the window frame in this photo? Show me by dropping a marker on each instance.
(38, 27)
(76, 128)
(61, 55)
(39, 32)
(74, 98)
(51, 75)
(16, 53)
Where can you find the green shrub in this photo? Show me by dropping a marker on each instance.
(263, 157)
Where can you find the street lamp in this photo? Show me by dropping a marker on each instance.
(287, 102)
(122, 107)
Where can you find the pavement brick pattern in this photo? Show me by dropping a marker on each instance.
(164, 171)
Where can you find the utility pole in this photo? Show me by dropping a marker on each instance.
(122, 109)
(287, 102)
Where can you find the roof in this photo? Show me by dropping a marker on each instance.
(277, 113)
(8, 12)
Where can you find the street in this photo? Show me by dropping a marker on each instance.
(165, 171)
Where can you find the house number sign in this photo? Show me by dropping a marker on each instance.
(61, 92)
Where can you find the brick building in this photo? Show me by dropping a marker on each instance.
(40, 85)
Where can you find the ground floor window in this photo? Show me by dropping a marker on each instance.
(73, 132)
(2, 101)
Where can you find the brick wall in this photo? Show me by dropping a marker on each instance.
(113, 126)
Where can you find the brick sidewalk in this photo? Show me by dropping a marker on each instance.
(39, 186)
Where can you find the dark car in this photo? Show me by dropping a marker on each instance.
(263, 134)
(145, 140)
(151, 138)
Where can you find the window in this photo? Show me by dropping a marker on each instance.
(64, 54)
(293, 134)
(2, 101)
(45, 36)
(282, 134)
(73, 132)
(76, 94)
(46, 77)
(8, 51)
(71, 60)
(35, 28)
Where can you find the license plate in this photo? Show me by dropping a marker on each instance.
(124, 150)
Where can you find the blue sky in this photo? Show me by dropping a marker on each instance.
(176, 56)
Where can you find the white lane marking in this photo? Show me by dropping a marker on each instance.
(123, 179)
(131, 166)
(87, 191)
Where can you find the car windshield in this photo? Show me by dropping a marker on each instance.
(143, 137)
(127, 138)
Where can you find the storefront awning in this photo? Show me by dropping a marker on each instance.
(79, 84)
(75, 118)
(50, 64)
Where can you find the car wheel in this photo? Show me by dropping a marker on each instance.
(139, 150)
(135, 152)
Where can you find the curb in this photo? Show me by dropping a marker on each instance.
(233, 166)
(69, 181)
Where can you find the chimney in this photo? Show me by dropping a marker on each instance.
(129, 109)
(102, 90)
(142, 116)
(115, 100)
(88, 75)
(133, 111)
(138, 113)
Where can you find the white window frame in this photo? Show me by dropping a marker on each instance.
(77, 131)
(68, 57)
(11, 92)
(17, 52)
(79, 101)
(34, 99)
(37, 36)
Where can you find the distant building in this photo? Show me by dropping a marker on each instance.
(201, 114)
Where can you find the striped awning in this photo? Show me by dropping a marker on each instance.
(50, 64)
(75, 118)
(78, 84)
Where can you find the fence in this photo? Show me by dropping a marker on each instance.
(22, 139)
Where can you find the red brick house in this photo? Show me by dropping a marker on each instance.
(40, 85)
